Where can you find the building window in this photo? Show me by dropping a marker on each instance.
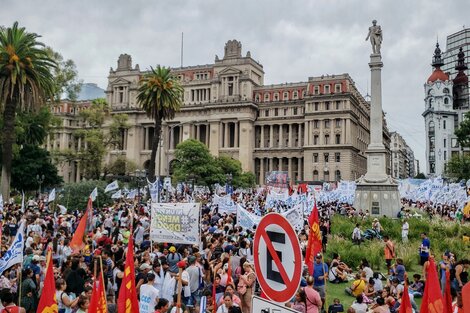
(445, 143)
(316, 124)
(317, 90)
(266, 113)
(338, 123)
(446, 90)
(445, 155)
(276, 112)
(338, 139)
(315, 158)
(327, 139)
(444, 124)
(337, 157)
(295, 111)
(338, 105)
(446, 100)
(327, 123)
(454, 143)
(266, 97)
(295, 95)
(327, 105)
(326, 176)
(327, 157)
(257, 97)
(316, 106)
(327, 89)
(315, 175)
(276, 96)
(285, 96)
(337, 175)
(304, 92)
(431, 127)
(337, 88)
(230, 85)
(315, 140)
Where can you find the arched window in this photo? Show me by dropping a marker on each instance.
(257, 97)
(285, 96)
(295, 95)
(446, 90)
(326, 176)
(446, 100)
(431, 127)
(276, 96)
(315, 175)
(266, 97)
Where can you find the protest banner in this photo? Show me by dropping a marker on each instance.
(175, 223)
(246, 219)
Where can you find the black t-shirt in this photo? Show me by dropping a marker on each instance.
(335, 308)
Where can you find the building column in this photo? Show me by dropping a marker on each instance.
(226, 131)
(281, 142)
(261, 171)
(261, 143)
(299, 168)
(271, 136)
(289, 144)
(306, 134)
(289, 169)
(236, 135)
(271, 164)
(299, 141)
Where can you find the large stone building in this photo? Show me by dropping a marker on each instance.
(446, 102)
(402, 161)
(317, 130)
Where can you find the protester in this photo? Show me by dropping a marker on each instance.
(424, 248)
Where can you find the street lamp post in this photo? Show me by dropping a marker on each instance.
(40, 179)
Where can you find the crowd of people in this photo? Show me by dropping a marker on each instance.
(218, 272)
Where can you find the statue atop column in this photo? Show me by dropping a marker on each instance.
(375, 35)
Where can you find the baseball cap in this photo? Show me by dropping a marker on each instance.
(172, 249)
(145, 266)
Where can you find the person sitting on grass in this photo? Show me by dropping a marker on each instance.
(378, 285)
(336, 307)
(417, 287)
(359, 306)
(370, 292)
(336, 276)
(357, 287)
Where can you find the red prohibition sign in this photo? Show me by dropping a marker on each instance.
(291, 253)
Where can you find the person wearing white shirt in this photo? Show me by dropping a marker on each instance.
(358, 305)
(405, 227)
(148, 295)
(228, 303)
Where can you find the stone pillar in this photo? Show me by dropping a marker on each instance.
(271, 136)
(261, 144)
(226, 131)
(281, 143)
(299, 141)
(290, 145)
(289, 168)
(245, 153)
(214, 138)
(306, 134)
(236, 145)
(261, 171)
(299, 168)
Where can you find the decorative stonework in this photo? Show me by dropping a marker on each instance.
(233, 49)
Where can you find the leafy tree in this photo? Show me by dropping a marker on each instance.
(120, 167)
(75, 195)
(458, 167)
(31, 161)
(194, 162)
(463, 131)
(246, 180)
(26, 82)
(32, 128)
(160, 95)
(232, 166)
(66, 79)
(117, 130)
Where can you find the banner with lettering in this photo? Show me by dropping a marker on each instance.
(175, 223)
(225, 204)
(246, 219)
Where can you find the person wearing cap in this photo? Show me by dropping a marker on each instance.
(195, 280)
(173, 258)
(148, 295)
(320, 275)
(141, 278)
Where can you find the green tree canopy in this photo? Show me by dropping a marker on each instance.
(463, 131)
(31, 161)
(26, 82)
(458, 167)
(75, 195)
(160, 95)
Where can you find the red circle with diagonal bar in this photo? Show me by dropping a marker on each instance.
(277, 258)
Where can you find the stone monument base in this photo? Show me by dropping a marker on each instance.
(380, 199)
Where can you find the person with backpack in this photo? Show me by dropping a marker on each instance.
(65, 303)
(173, 258)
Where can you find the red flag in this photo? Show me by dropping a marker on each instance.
(432, 298)
(447, 295)
(77, 240)
(98, 297)
(214, 302)
(314, 245)
(302, 188)
(466, 297)
(48, 300)
(405, 306)
(127, 301)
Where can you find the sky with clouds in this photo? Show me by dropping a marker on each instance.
(292, 39)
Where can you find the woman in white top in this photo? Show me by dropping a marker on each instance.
(228, 304)
(64, 303)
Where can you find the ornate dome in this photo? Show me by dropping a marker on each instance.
(438, 74)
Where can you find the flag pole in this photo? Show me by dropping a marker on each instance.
(20, 285)
(102, 279)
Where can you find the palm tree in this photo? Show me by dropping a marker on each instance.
(160, 95)
(26, 82)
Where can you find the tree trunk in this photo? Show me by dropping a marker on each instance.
(153, 155)
(7, 152)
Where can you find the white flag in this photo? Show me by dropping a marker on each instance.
(132, 194)
(51, 196)
(1, 202)
(113, 186)
(117, 194)
(94, 194)
(22, 203)
(14, 255)
(63, 210)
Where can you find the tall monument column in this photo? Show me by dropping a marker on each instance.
(376, 191)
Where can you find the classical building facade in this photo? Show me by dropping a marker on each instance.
(446, 102)
(317, 130)
(402, 161)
